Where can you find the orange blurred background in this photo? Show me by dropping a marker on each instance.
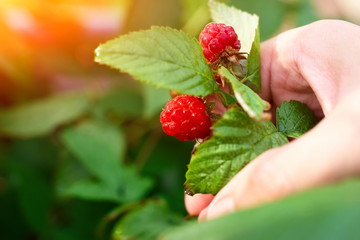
(47, 46)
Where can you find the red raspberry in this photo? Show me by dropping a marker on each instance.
(215, 38)
(185, 117)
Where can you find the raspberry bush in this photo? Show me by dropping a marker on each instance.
(212, 67)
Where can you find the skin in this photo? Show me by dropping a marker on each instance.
(319, 65)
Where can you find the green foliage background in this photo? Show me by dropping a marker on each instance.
(95, 164)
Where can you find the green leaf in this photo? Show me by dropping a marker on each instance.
(243, 23)
(96, 191)
(294, 118)
(146, 222)
(253, 64)
(43, 116)
(162, 57)
(123, 102)
(237, 139)
(100, 147)
(132, 186)
(252, 104)
(327, 213)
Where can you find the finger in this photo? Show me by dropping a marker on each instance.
(298, 65)
(327, 153)
(195, 204)
(281, 77)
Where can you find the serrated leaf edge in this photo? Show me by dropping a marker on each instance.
(163, 28)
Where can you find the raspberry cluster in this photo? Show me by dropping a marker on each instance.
(185, 117)
(217, 38)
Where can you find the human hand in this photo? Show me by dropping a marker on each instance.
(317, 64)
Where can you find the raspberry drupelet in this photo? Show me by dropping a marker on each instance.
(217, 38)
(185, 117)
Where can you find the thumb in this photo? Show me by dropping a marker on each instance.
(327, 153)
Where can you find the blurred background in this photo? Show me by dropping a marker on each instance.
(82, 153)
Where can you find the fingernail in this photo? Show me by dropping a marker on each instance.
(224, 206)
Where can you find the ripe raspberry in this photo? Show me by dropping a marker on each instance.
(185, 117)
(217, 38)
